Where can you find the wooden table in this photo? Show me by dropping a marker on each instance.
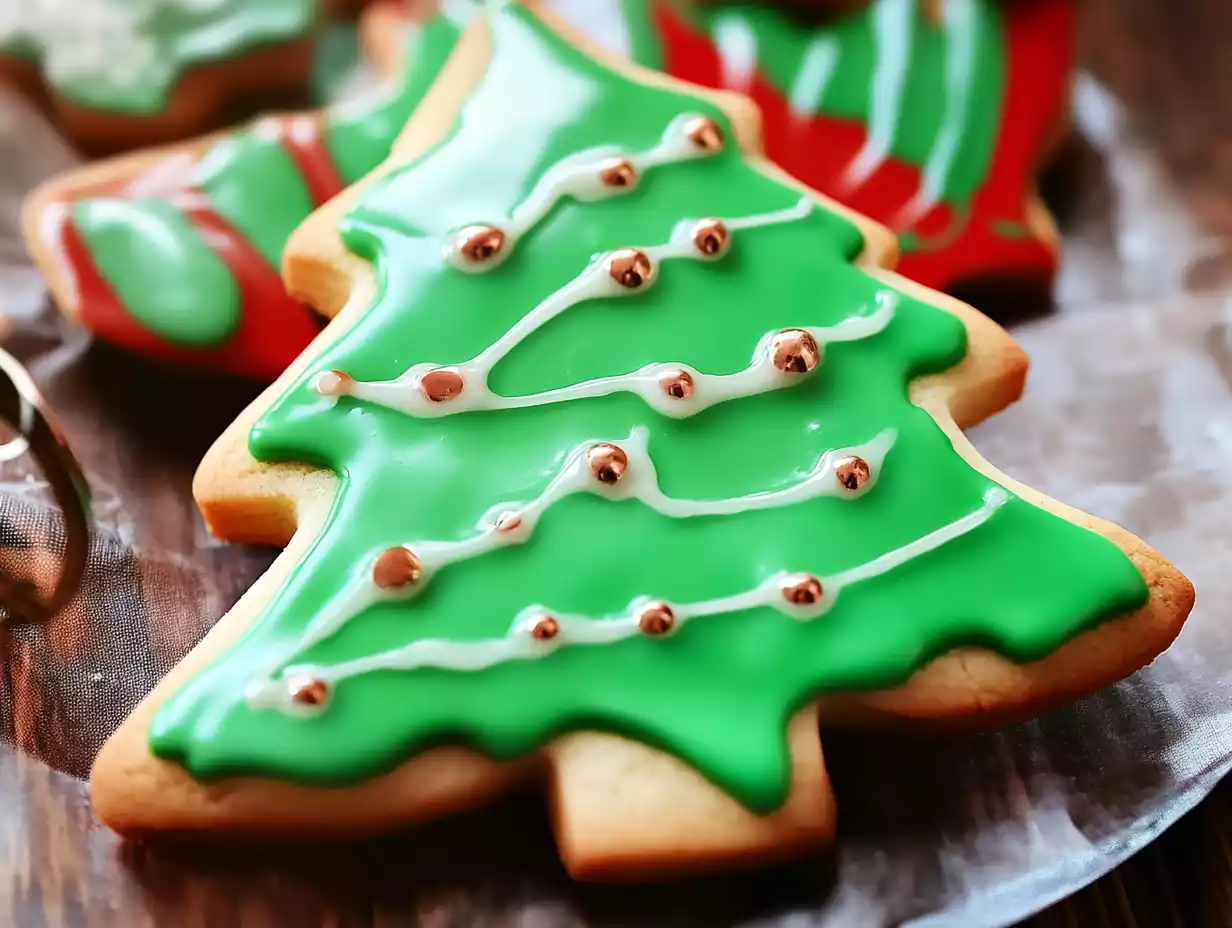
(1170, 67)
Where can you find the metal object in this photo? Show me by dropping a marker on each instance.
(22, 407)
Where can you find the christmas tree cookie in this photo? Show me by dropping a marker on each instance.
(174, 253)
(119, 73)
(623, 464)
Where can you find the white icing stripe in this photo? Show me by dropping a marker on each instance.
(892, 25)
(818, 67)
(580, 176)
(640, 481)
(167, 175)
(404, 394)
(575, 630)
(736, 44)
(960, 25)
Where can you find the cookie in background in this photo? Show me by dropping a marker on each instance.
(118, 74)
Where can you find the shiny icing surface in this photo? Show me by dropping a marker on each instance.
(927, 555)
(126, 55)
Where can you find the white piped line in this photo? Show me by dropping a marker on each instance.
(574, 630)
(960, 24)
(580, 176)
(404, 394)
(814, 76)
(892, 27)
(640, 481)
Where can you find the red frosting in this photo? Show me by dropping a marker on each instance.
(263, 343)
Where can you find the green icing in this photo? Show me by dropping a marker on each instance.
(882, 66)
(181, 291)
(359, 139)
(127, 55)
(644, 47)
(253, 183)
(1010, 228)
(720, 691)
(336, 62)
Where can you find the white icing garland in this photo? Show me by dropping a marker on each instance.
(580, 176)
(508, 524)
(575, 630)
(405, 394)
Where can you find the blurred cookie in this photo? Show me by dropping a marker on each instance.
(123, 73)
(174, 252)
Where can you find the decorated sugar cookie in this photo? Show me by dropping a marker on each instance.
(174, 253)
(127, 72)
(623, 464)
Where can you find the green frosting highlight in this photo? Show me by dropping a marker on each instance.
(719, 692)
(358, 139)
(254, 184)
(337, 59)
(181, 291)
(128, 55)
(644, 44)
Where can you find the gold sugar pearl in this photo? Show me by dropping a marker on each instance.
(508, 522)
(618, 172)
(852, 473)
(396, 568)
(712, 238)
(545, 628)
(441, 385)
(802, 590)
(307, 691)
(478, 244)
(704, 133)
(795, 351)
(677, 384)
(656, 619)
(334, 383)
(630, 268)
(608, 463)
